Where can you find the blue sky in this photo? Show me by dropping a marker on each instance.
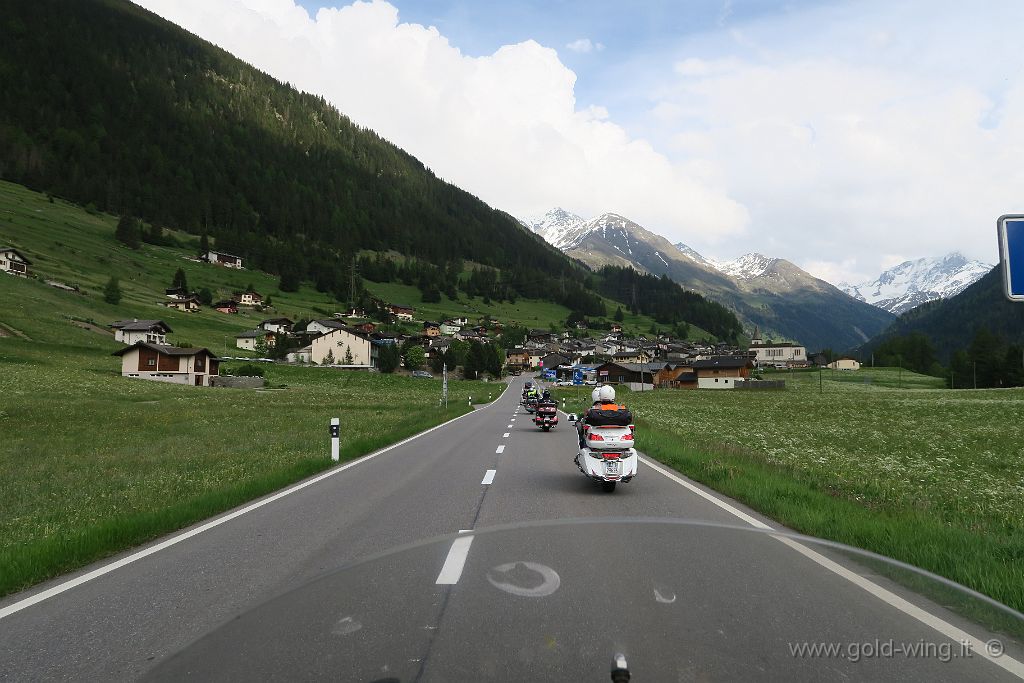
(846, 136)
(629, 32)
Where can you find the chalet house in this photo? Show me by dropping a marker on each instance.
(366, 326)
(519, 358)
(401, 311)
(249, 298)
(14, 262)
(226, 306)
(676, 376)
(721, 372)
(845, 363)
(535, 358)
(779, 354)
(325, 326)
(616, 328)
(637, 376)
(176, 292)
(277, 325)
(431, 329)
(461, 322)
(542, 336)
(135, 331)
(248, 340)
(337, 342)
(222, 259)
(553, 360)
(631, 357)
(162, 363)
(186, 305)
(303, 355)
(450, 327)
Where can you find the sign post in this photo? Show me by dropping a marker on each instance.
(444, 385)
(335, 434)
(1011, 255)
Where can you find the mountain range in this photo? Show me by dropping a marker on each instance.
(913, 283)
(770, 293)
(950, 324)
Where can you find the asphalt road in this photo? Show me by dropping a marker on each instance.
(550, 602)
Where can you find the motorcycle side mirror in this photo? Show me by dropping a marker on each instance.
(572, 417)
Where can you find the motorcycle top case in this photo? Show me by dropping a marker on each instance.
(610, 418)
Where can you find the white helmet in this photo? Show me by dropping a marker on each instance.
(606, 394)
(595, 395)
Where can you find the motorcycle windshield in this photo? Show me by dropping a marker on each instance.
(558, 600)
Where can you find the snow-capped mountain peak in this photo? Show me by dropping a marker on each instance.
(693, 254)
(558, 227)
(746, 267)
(913, 283)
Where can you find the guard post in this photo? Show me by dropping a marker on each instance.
(335, 435)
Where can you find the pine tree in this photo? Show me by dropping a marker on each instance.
(329, 358)
(618, 315)
(112, 292)
(348, 360)
(204, 245)
(387, 358)
(179, 281)
(127, 232)
(205, 297)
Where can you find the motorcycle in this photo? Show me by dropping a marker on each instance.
(531, 405)
(547, 416)
(608, 455)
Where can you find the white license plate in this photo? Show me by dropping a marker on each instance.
(612, 468)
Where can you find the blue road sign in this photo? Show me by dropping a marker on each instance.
(1011, 255)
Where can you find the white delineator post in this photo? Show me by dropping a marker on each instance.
(335, 434)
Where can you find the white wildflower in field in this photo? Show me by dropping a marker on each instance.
(956, 453)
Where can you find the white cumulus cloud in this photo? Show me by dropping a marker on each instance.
(504, 126)
(584, 45)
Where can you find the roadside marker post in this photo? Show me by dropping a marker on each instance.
(1011, 254)
(335, 435)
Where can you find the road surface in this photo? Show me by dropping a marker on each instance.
(549, 602)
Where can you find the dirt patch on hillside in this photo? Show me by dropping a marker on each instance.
(8, 331)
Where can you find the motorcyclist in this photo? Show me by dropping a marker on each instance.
(605, 411)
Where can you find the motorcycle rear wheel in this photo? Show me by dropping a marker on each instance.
(608, 486)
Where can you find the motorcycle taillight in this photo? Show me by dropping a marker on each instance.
(594, 436)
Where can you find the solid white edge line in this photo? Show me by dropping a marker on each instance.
(500, 450)
(488, 477)
(707, 496)
(1006, 662)
(106, 569)
(451, 571)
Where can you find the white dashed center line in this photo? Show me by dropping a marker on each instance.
(505, 435)
(501, 449)
(489, 477)
(451, 572)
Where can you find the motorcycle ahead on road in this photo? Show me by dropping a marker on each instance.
(547, 415)
(607, 454)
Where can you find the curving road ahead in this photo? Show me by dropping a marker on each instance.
(549, 602)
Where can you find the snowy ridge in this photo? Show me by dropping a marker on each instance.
(693, 254)
(558, 227)
(746, 267)
(913, 283)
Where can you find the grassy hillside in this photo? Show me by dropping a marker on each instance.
(68, 244)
